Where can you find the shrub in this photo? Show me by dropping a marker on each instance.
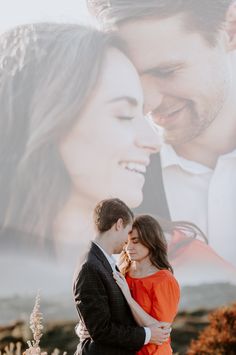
(219, 338)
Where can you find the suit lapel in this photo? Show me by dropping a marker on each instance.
(95, 250)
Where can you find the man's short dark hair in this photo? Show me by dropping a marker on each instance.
(204, 16)
(107, 212)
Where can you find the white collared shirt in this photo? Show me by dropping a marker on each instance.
(112, 262)
(204, 196)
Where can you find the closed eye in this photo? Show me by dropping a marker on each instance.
(135, 240)
(126, 118)
(164, 71)
(161, 73)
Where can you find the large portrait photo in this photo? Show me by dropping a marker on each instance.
(118, 176)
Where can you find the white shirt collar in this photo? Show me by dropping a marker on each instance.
(169, 157)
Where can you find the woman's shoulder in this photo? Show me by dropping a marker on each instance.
(157, 278)
(165, 279)
(164, 275)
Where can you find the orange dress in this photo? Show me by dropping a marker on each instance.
(158, 294)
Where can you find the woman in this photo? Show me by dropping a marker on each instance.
(72, 133)
(150, 288)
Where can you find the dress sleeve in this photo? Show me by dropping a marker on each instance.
(166, 295)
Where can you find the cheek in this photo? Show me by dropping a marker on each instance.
(180, 86)
(72, 156)
(150, 89)
(145, 252)
(83, 160)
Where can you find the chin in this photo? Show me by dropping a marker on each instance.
(118, 250)
(179, 138)
(132, 200)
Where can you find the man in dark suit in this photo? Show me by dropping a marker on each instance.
(101, 306)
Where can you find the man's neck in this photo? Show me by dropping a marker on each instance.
(103, 242)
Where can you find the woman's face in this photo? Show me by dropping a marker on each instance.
(135, 250)
(107, 151)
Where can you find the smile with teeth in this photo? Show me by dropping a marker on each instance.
(134, 167)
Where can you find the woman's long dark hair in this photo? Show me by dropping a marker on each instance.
(47, 73)
(150, 235)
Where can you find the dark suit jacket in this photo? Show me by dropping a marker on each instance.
(154, 197)
(104, 310)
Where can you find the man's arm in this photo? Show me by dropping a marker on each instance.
(93, 307)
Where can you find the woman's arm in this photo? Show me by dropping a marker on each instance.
(142, 318)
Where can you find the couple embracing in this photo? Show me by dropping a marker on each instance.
(126, 310)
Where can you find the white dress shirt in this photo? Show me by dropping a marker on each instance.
(204, 196)
(112, 262)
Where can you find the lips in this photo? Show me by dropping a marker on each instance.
(134, 166)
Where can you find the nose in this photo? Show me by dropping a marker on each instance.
(148, 136)
(128, 246)
(152, 94)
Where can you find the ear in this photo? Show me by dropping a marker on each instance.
(119, 224)
(230, 26)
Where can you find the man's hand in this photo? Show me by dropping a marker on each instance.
(81, 331)
(160, 332)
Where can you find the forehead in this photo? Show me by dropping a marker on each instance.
(153, 42)
(133, 234)
(118, 78)
(129, 227)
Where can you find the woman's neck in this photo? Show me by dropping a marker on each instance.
(142, 267)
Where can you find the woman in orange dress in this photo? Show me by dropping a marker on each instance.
(149, 286)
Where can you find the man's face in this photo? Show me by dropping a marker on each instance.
(122, 236)
(186, 81)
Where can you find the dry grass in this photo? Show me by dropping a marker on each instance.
(36, 325)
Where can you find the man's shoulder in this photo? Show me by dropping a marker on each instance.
(90, 263)
(86, 272)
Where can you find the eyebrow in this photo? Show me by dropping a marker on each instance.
(163, 66)
(131, 100)
(134, 238)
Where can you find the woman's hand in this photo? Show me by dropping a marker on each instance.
(122, 283)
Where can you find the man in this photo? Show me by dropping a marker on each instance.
(100, 303)
(184, 51)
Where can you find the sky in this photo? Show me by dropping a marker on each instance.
(15, 12)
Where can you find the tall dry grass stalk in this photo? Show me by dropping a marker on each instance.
(36, 326)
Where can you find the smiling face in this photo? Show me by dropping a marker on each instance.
(186, 81)
(134, 249)
(107, 151)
